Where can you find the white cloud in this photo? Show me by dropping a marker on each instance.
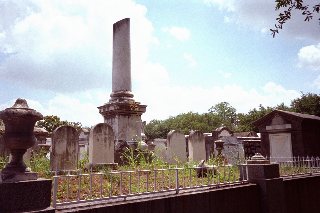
(169, 100)
(190, 59)
(225, 74)
(222, 4)
(180, 33)
(261, 15)
(76, 107)
(66, 46)
(309, 56)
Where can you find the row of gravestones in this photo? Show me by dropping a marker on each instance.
(65, 147)
(176, 150)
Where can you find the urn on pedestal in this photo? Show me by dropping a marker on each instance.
(19, 121)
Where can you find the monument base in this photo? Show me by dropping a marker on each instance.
(23, 196)
(15, 177)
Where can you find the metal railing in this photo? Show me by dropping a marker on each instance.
(124, 185)
(297, 165)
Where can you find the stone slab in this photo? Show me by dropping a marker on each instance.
(263, 171)
(25, 196)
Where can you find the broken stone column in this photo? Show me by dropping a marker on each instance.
(122, 112)
(121, 60)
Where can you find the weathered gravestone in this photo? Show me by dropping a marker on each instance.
(65, 149)
(101, 144)
(160, 149)
(233, 150)
(176, 150)
(196, 144)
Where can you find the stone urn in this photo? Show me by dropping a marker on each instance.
(19, 121)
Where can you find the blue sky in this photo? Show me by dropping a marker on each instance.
(186, 55)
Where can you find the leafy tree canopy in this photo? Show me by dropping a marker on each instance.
(308, 103)
(51, 122)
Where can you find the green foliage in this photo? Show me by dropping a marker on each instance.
(308, 103)
(142, 159)
(3, 161)
(41, 164)
(1, 123)
(183, 122)
(288, 6)
(225, 113)
(51, 122)
(156, 129)
(84, 161)
(245, 120)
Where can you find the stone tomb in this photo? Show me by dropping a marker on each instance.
(287, 134)
(176, 147)
(196, 145)
(101, 144)
(65, 149)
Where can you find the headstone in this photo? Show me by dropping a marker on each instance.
(65, 149)
(101, 144)
(160, 149)
(196, 144)
(233, 150)
(176, 150)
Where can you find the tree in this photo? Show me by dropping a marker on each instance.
(1, 123)
(245, 120)
(183, 122)
(289, 6)
(225, 113)
(51, 122)
(308, 103)
(156, 129)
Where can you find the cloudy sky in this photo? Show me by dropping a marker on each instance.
(186, 55)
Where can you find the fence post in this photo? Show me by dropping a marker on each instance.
(177, 180)
(267, 177)
(55, 191)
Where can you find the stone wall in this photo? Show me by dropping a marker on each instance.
(240, 199)
(302, 194)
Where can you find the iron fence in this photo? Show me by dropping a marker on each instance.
(134, 184)
(297, 165)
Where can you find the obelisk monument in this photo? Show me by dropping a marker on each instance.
(122, 112)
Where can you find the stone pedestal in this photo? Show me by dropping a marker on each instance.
(267, 177)
(25, 196)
